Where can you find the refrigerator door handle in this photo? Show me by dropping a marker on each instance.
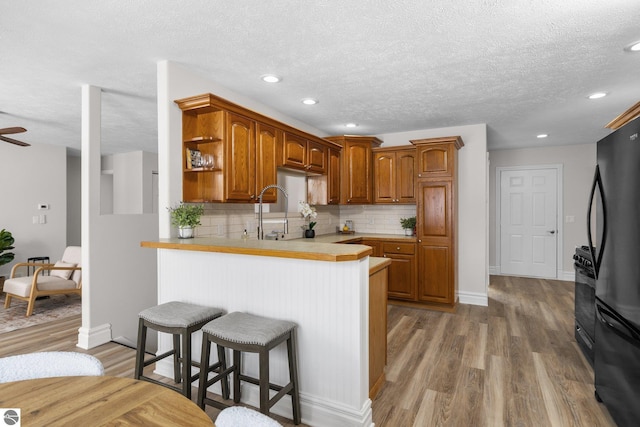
(597, 183)
(617, 325)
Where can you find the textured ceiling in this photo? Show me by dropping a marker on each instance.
(523, 67)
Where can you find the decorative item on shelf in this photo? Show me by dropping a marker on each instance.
(6, 244)
(409, 225)
(307, 213)
(186, 217)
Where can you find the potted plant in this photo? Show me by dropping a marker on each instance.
(307, 213)
(186, 217)
(409, 225)
(6, 244)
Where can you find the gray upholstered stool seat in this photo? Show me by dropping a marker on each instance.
(179, 319)
(254, 334)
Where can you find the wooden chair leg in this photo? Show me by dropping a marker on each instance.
(7, 301)
(222, 358)
(237, 362)
(142, 340)
(30, 306)
(264, 381)
(186, 364)
(293, 377)
(177, 376)
(204, 370)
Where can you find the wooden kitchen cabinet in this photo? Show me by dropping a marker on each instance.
(394, 175)
(437, 220)
(300, 153)
(356, 171)
(402, 271)
(333, 176)
(247, 148)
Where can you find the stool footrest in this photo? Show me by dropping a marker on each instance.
(159, 357)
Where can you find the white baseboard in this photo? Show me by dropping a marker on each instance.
(93, 337)
(473, 298)
(569, 276)
(315, 412)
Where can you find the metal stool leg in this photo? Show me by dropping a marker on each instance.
(142, 339)
(293, 376)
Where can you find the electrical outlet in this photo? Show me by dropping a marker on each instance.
(220, 229)
(42, 219)
(371, 221)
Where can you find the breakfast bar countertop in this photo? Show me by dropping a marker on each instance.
(298, 248)
(320, 248)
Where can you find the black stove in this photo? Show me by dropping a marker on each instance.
(585, 301)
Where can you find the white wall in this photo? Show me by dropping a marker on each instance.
(131, 182)
(29, 176)
(119, 277)
(473, 227)
(74, 217)
(578, 167)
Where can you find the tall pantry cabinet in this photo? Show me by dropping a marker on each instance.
(437, 218)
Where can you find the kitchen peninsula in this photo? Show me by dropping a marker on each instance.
(324, 288)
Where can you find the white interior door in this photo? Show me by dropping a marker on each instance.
(528, 222)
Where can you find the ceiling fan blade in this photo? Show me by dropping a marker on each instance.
(14, 141)
(12, 130)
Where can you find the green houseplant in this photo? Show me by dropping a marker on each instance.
(409, 225)
(6, 244)
(186, 217)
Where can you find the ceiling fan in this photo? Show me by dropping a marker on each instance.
(7, 131)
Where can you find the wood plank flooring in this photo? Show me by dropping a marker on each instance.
(513, 363)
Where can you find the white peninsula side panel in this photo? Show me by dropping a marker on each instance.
(329, 301)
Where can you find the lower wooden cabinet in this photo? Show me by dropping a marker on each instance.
(402, 271)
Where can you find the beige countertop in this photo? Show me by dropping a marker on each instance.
(320, 248)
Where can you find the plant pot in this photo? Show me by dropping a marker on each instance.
(408, 231)
(185, 232)
(309, 234)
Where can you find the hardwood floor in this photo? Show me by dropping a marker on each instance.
(513, 363)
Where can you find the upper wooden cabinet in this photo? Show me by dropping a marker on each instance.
(394, 175)
(246, 148)
(333, 176)
(300, 153)
(356, 171)
(437, 156)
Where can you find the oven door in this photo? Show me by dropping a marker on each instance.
(585, 313)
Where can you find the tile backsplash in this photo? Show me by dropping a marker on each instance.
(230, 220)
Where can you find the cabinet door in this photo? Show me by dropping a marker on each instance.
(436, 240)
(402, 271)
(316, 157)
(357, 185)
(267, 139)
(406, 176)
(384, 177)
(402, 276)
(294, 151)
(436, 160)
(333, 177)
(240, 159)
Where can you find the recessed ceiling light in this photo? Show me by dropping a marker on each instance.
(271, 78)
(597, 95)
(633, 47)
(351, 125)
(309, 101)
(542, 135)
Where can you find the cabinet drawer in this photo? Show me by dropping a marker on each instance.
(399, 248)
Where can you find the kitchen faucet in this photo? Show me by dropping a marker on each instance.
(286, 205)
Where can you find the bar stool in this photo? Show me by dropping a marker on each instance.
(254, 334)
(181, 320)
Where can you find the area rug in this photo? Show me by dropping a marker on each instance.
(46, 310)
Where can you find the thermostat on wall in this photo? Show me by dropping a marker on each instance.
(42, 206)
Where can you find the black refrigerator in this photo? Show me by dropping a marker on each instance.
(616, 196)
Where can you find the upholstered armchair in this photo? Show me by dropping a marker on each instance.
(65, 277)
